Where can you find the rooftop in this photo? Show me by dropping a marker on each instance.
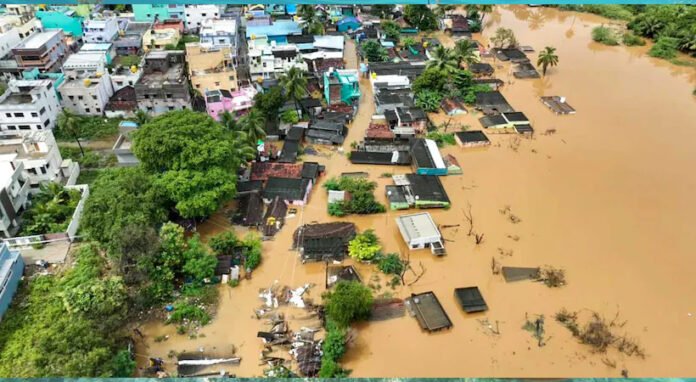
(417, 226)
(37, 40)
(218, 27)
(265, 170)
(278, 28)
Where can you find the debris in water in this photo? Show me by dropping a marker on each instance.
(552, 277)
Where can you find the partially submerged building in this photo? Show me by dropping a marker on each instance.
(492, 103)
(341, 86)
(426, 158)
(324, 241)
(419, 231)
(406, 121)
(294, 191)
(504, 120)
(419, 191)
(326, 132)
(471, 138)
(428, 311)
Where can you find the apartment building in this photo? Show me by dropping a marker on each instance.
(130, 38)
(271, 61)
(196, 14)
(215, 33)
(45, 51)
(100, 30)
(27, 106)
(24, 28)
(38, 154)
(24, 11)
(158, 39)
(163, 85)
(210, 68)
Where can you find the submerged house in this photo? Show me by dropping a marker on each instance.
(419, 191)
(504, 120)
(341, 86)
(492, 103)
(294, 191)
(406, 121)
(323, 241)
(348, 24)
(326, 132)
(471, 138)
(426, 158)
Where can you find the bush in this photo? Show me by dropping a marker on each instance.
(331, 369)
(349, 301)
(665, 47)
(252, 258)
(223, 243)
(362, 199)
(610, 11)
(334, 346)
(365, 246)
(630, 39)
(604, 35)
(442, 139)
(91, 128)
(391, 264)
(51, 211)
(289, 116)
(184, 312)
(428, 100)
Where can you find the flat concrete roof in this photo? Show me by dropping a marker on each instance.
(416, 226)
(37, 39)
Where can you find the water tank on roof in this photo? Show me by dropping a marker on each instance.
(87, 82)
(133, 69)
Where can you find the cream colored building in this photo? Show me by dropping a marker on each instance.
(210, 68)
(158, 39)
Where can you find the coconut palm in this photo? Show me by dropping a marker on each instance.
(252, 125)
(242, 148)
(483, 9)
(228, 120)
(311, 20)
(69, 124)
(547, 57)
(444, 9)
(295, 85)
(444, 59)
(466, 50)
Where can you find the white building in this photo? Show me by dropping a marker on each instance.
(196, 14)
(9, 40)
(420, 231)
(122, 77)
(38, 154)
(272, 61)
(215, 33)
(24, 28)
(28, 106)
(104, 30)
(87, 86)
(14, 195)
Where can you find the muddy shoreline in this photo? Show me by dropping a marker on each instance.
(608, 197)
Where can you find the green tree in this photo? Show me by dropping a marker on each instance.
(391, 264)
(665, 47)
(311, 20)
(483, 9)
(69, 125)
(421, 17)
(228, 121)
(431, 79)
(294, 83)
(349, 301)
(466, 51)
(223, 243)
(123, 365)
(198, 263)
(270, 102)
(504, 38)
(604, 35)
(391, 29)
(547, 57)
(408, 42)
(428, 100)
(141, 117)
(374, 51)
(445, 60)
(119, 198)
(253, 126)
(381, 10)
(365, 246)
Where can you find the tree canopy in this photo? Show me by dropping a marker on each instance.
(349, 301)
(420, 16)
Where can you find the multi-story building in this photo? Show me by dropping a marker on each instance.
(28, 106)
(38, 154)
(210, 68)
(23, 11)
(14, 196)
(272, 61)
(11, 271)
(44, 50)
(217, 33)
(100, 30)
(130, 38)
(107, 49)
(170, 24)
(219, 101)
(8, 40)
(150, 12)
(122, 77)
(24, 28)
(163, 86)
(87, 86)
(176, 11)
(158, 39)
(62, 18)
(196, 14)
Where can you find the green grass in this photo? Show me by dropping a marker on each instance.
(630, 39)
(442, 139)
(604, 35)
(91, 128)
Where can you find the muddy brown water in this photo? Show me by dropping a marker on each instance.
(609, 198)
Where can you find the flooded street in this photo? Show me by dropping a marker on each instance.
(608, 198)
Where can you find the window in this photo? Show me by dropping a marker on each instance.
(79, 97)
(12, 127)
(87, 110)
(204, 14)
(24, 127)
(72, 98)
(98, 110)
(47, 122)
(149, 108)
(32, 171)
(8, 115)
(49, 86)
(34, 114)
(19, 115)
(38, 127)
(171, 107)
(217, 84)
(119, 83)
(94, 97)
(130, 83)
(43, 169)
(42, 111)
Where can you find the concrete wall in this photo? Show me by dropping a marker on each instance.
(9, 280)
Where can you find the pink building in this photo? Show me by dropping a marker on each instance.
(237, 102)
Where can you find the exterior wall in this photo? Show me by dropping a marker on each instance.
(26, 29)
(13, 197)
(196, 14)
(44, 163)
(9, 40)
(75, 221)
(218, 80)
(86, 96)
(11, 270)
(59, 20)
(148, 12)
(160, 100)
(101, 30)
(39, 114)
(124, 153)
(220, 34)
(176, 11)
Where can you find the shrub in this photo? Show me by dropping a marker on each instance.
(334, 345)
(187, 312)
(289, 116)
(428, 100)
(442, 139)
(362, 200)
(604, 35)
(665, 47)
(630, 39)
(365, 246)
(391, 264)
(331, 369)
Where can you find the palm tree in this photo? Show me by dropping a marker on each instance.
(228, 121)
(444, 9)
(252, 125)
(465, 49)
(242, 148)
(311, 21)
(444, 59)
(547, 57)
(483, 9)
(141, 117)
(69, 124)
(295, 85)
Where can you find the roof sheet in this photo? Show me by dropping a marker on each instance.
(417, 226)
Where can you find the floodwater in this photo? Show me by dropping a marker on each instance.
(608, 197)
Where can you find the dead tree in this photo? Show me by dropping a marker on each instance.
(469, 218)
(406, 260)
(479, 238)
